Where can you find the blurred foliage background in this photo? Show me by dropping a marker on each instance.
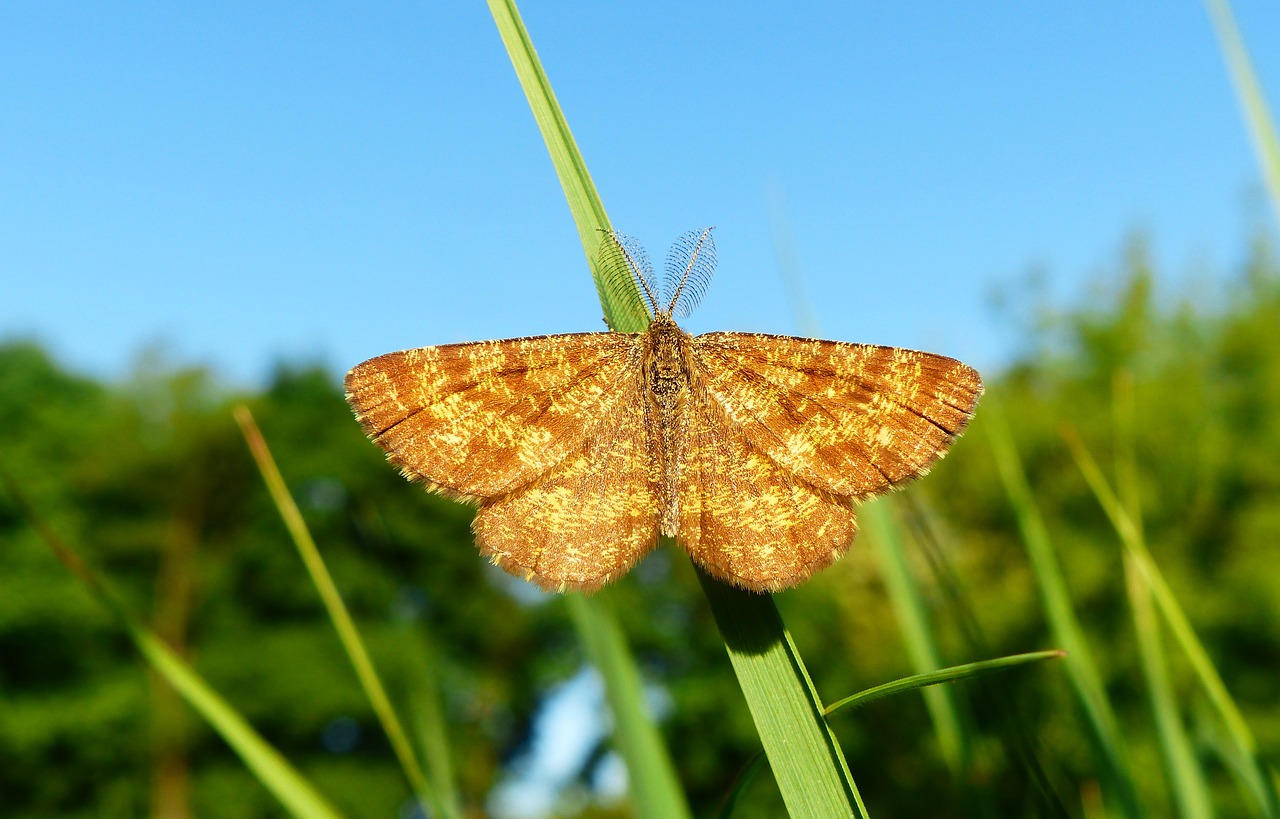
(152, 482)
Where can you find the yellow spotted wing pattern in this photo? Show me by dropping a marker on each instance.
(786, 433)
(576, 450)
(544, 433)
(749, 450)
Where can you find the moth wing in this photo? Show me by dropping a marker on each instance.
(593, 516)
(745, 520)
(478, 420)
(852, 419)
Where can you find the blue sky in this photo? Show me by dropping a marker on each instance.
(242, 183)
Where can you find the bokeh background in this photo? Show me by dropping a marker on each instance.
(203, 205)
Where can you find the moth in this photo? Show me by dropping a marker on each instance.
(581, 450)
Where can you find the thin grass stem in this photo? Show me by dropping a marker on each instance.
(336, 608)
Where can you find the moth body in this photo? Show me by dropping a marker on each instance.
(668, 377)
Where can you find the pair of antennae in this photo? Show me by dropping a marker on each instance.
(691, 263)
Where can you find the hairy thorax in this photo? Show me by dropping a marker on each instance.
(667, 382)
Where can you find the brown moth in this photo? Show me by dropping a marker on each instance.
(580, 450)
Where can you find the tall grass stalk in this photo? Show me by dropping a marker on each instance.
(1258, 780)
(655, 786)
(1183, 771)
(807, 761)
(337, 610)
(1253, 102)
(1086, 680)
(426, 719)
(908, 602)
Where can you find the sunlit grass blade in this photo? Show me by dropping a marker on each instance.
(1257, 781)
(770, 671)
(655, 786)
(917, 632)
(623, 310)
(428, 723)
(1182, 768)
(942, 675)
(1185, 777)
(1081, 669)
(745, 777)
(275, 773)
(1261, 126)
(945, 675)
(806, 759)
(337, 610)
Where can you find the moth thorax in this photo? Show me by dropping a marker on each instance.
(666, 371)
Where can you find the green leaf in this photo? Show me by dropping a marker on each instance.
(943, 675)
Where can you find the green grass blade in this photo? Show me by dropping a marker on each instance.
(744, 778)
(807, 762)
(1185, 776)
(943, 675)
(275, 773)
(428, 722)
(655, 786)
(1081, 669)
(624, 311)
(337, 610)
(1014, 731)
(1257, 781)
(1182, 768)
(917, 634)
(268, 765)
(1261, 126)
(774, 681)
